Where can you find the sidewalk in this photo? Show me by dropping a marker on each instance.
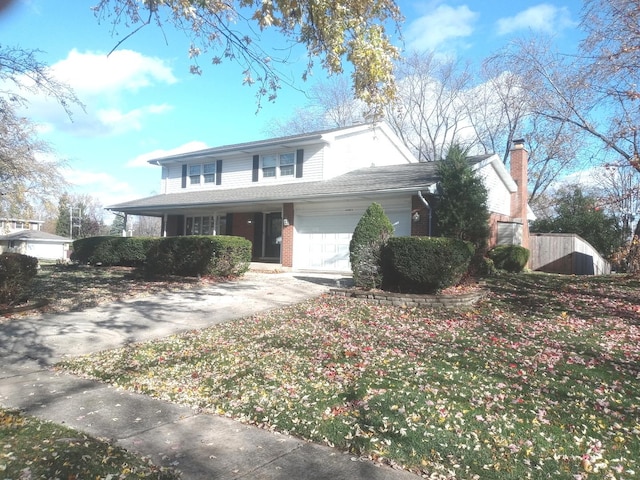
(200, 446)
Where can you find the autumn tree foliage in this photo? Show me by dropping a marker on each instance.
(334, 31)
(30, 178)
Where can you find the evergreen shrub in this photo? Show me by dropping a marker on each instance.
(370, 234)
(196, 255)
(16, 273)
(424, 264)
(112, 250)
(510, 258)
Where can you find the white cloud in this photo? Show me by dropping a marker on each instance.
(444, 24)
(143, 160)
(106, 86)
(545, 18)
(104, 187)
(93, 73)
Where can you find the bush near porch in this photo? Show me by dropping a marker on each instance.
(189, 256)
(199, 255)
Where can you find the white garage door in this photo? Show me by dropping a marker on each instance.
(322, 241)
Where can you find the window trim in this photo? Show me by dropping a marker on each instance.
(199, 175)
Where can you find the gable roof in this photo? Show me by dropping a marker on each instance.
(290, 141)
(373, 180)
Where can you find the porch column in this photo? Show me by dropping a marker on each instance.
(287, 235)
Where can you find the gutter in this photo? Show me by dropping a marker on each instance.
(426, 204)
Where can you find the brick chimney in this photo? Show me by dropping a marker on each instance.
(519, 160)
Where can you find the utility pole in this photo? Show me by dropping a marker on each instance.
(77, 218)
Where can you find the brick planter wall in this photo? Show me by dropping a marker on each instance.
(406, 300)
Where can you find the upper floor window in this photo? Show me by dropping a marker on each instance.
(282, 165)
(202, 173)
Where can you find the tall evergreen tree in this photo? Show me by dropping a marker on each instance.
(462, 209)
(63, 225)
(117, 226)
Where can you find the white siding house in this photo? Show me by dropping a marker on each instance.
(299, 198)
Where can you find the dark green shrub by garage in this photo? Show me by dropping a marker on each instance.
(16, 273)
(193, 256)
(510, 258)
(424, 264)
(371, 233)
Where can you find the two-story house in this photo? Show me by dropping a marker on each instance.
(299, 198)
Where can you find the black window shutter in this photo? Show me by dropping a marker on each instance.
(184, 176)
(218, 172)
(299, 161)
(256, 167)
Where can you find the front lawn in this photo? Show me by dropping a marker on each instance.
(32, 449)
(540, 380)
(66, 288)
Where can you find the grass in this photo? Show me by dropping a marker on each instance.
(540, 380)
(32, 448)
(73, 288)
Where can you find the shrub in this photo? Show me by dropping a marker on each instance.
(424, 264)
(510, 258)
(16, 273)
(110, 251)
(192, 256)
(372, 231)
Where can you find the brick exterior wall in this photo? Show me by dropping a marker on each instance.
(421, 227)
(286, 252)
(241, 226)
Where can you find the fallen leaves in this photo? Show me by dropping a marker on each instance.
(539, 380)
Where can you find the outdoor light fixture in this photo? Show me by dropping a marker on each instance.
(285, 222)
(416, 217)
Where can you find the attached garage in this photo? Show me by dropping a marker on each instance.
(321, 240)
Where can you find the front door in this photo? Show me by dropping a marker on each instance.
(272, 235)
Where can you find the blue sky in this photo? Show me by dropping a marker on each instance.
(142, 102)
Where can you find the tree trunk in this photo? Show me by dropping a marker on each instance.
(633, 258)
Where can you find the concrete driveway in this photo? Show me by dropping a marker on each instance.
(48, 338)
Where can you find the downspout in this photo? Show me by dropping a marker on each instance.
(426, 204)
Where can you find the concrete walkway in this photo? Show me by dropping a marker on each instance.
(198, 445)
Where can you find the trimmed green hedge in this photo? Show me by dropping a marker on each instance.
(191, 256)
(112, 251)
(510, 258)
(16, 273)
(424, 264)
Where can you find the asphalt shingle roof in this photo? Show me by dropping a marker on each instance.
(34, 235)
(404, 177)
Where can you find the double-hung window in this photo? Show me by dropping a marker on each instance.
(269, 165)
(287, 165)
(194, 174)
(209, 172)
(283, 165)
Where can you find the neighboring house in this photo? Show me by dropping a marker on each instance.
(35, 243)
(10, 225)
(299, 198)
